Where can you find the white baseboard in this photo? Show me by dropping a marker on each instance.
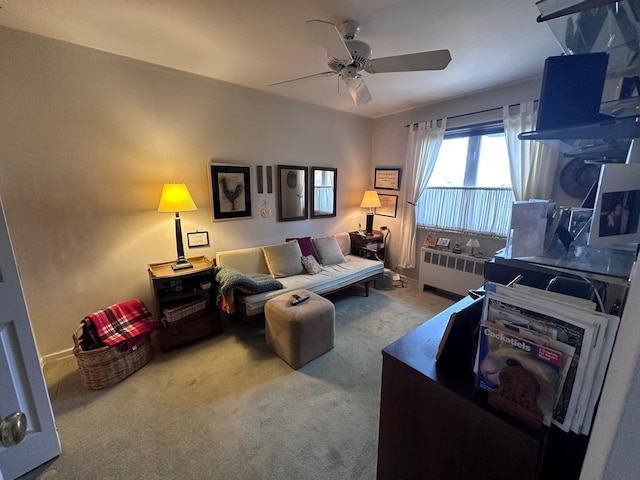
(56, 356)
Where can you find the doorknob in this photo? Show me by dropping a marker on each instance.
(13, 429)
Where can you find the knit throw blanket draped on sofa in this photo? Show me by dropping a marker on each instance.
(229, 280)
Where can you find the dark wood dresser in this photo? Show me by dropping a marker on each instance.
(435, 425)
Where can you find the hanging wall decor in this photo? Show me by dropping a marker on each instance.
(230, 191)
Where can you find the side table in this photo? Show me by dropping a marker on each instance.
(369, 246)
(184, 302)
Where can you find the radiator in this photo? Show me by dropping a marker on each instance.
(452, 272)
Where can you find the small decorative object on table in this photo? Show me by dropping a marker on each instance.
(456, 248)
(443, 243)
(473, 243)
(430, 240)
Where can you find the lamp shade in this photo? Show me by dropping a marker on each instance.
(370, 199)
(474, 243)
(175, 197)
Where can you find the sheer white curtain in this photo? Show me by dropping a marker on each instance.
(533, 164)
(466, 210)
(422, 151)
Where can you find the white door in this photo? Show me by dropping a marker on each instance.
(22, 386)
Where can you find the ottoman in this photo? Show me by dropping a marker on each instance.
(299, 333)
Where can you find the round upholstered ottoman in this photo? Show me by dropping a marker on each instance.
(299, 333)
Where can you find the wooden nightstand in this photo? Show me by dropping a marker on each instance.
(369, 246)
(184, 302)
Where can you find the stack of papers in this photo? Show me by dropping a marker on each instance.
(561, 341)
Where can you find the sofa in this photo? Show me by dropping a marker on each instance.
(322, 265)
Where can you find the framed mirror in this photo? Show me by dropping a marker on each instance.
(292, 193)
(323, 192)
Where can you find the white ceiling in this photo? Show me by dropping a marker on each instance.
(257, 42)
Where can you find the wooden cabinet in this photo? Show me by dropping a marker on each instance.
(435, 425)
(184, 302)
(369, 246)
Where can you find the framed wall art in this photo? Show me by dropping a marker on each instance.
(388, 205)
(259, 177)
(198, 239)
(230, 191)
(387, 178)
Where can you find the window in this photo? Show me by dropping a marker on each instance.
(470, 187)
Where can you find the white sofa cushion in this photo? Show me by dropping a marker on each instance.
(328, 250)
(344, 240)
(284, 259)
(245, 260)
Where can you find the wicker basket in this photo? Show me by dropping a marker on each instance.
(182, 311)
(105, 366)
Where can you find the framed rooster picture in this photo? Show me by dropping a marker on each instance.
(230, 191)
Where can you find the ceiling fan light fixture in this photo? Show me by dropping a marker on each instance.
(348, 73)
(347, 57)
(357, 88)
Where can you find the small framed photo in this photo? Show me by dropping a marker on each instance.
(616, 215)
(388, 205)
(579, 221)
(430, 240)
(443, 243)
(387, 178)
(198, 239)
(230, 191)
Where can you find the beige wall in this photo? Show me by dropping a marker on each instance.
(88, 139)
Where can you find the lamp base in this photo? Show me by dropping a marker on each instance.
(181, 265)
(369, 229)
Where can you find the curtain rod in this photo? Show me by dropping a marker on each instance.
(487, 110)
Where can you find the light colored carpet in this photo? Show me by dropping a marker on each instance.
(226, 407)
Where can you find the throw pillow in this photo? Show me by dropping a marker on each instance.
(305, 245)
(328, 250)
(283, 259)
(311, 264)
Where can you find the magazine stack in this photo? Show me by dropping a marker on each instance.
(542, 356)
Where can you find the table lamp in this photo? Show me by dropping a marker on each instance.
(176, 198)
(473, 243)
(371, 201)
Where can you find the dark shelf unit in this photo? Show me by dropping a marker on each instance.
(178, 290)
(369, 246)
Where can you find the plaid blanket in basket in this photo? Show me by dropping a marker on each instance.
(129, 322)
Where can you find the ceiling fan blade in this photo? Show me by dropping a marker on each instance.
(413, 62)
(328, 36)
(358, 90)
(328, 73)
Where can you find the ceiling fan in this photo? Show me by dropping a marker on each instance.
(348, 57)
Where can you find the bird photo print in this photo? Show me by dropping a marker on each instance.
(230, 191)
